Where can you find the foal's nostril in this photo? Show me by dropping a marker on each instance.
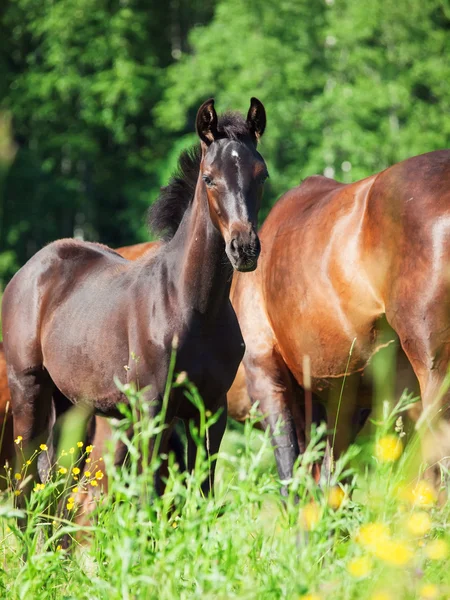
(234, 245)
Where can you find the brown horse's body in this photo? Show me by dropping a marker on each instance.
(335, 260)
(75, 316)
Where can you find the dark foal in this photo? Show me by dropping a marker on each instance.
(77, 312)
(337, 260)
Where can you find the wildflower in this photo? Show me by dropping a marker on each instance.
(94, 483)
(62, 470)
(88, 460)
(388, 448)
(336, 496)
(72, 450)
(87, 473)
(437, 550)
(18, 439)
(423, 494)
(75, 490)
(38, 487)
(70, 506)
(63, 453)
(28, 463)
(359, 567)
(372, 534)
(101, 458)
(17, 476)
(429, 591)
(310, 516)
(419, 523)
(17, 492)
(99, 475)
(80, 444)
(76, 471)
(43, 447)
(89, 449)
(59, 547)
(394, 553)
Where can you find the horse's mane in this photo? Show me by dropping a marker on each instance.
(165, 215)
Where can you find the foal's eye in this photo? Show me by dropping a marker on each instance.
(207, 180)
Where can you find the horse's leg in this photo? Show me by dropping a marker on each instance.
(211, 445)
(425, 339)
(341, 410)
(269, 383)
(31, 401)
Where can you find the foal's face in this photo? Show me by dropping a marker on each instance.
(233, 173)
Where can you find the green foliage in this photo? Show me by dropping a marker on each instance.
(103, 96)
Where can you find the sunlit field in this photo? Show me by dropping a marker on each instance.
(376, 531)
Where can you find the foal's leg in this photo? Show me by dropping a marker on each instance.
(31, 401)
(269, 383)
(211, 445)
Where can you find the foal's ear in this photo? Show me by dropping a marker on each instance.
(206, 122)
(256, 118)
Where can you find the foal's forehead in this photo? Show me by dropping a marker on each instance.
(225, 153)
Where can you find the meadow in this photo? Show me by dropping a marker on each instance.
(375, 532)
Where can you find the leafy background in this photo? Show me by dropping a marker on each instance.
(97, 98)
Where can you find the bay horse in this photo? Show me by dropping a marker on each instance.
(336, 259)
(76, 313)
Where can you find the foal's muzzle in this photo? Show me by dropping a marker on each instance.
(243, 250)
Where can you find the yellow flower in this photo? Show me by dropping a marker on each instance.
(99, 475)
(70, 506)
(17, 476)
(310, 597)
(372, 534)
(62, 470)
(101, 458)
(359, 567)
(437, 550)
(336, 496)
(43, 447)
(388, 448)
(72, 450)
(310, 516)
(18, 439)
(422, 494)
(75, 490)
(88, 460)
(28, 463)
(76, 471)
(17, 492)
(87, 473)
(419, 523)
(429, 591)
(59, 547)
(94, 483)
(38, 487)
(89, 449)
(394, 553)
(80, 444)
(382, 595)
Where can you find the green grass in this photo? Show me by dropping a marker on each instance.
(244, 543)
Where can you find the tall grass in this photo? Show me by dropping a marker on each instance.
(388, 539)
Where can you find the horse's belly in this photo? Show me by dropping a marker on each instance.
(325, 347)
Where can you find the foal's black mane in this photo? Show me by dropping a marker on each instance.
(165, 215)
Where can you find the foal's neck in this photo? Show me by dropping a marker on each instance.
(206, 273)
